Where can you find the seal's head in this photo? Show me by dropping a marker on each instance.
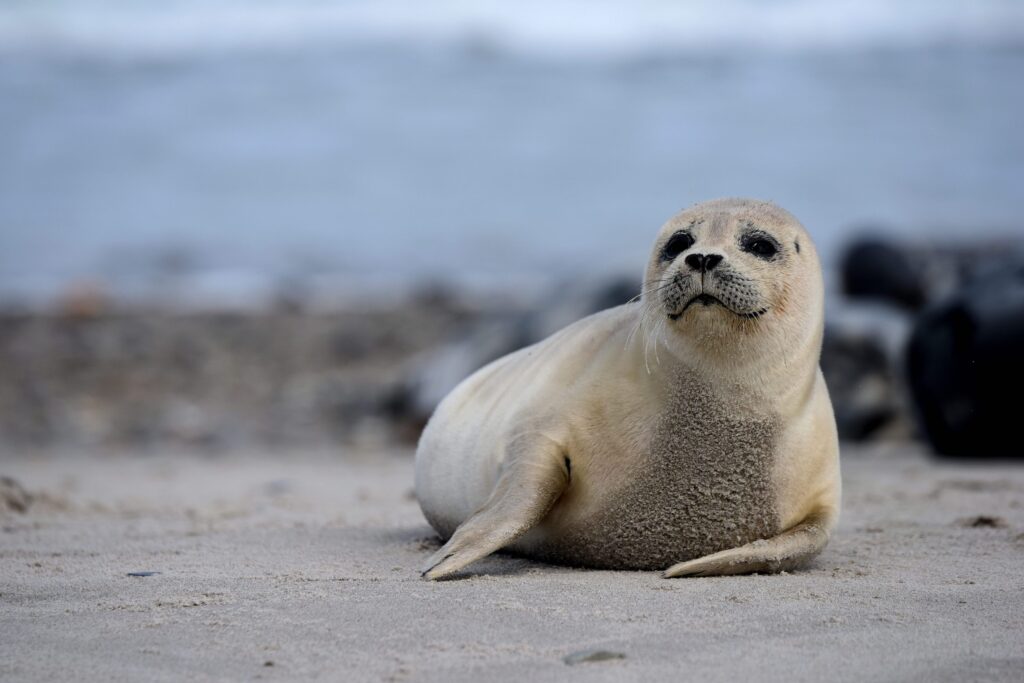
(725, 272)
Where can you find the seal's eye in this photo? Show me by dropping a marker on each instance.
(760, 245)
(676, 245)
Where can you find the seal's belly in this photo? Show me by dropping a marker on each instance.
(704, 486)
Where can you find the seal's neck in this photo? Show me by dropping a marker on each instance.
(768, 370)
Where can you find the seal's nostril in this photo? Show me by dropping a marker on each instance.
(703, 262)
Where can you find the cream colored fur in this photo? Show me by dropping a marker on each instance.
(634, 416)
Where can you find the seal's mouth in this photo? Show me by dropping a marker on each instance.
(705, 299)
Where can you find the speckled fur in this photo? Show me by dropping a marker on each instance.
(704, 485)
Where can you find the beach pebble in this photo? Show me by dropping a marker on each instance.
(984, 521)
(586, 656)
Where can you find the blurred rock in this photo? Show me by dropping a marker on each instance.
(291, 375)
(872, 268)
(909, 275)
(439, 371)
(859, 381)
(965, 363)
(858, 360)
(578, 299)
(13, 495)
(213, 381)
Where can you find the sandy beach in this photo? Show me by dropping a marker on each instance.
(247, 248)
(303, 566)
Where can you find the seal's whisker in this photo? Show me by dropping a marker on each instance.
(642, 331)
(646, 312)
(647, 292)
(658, 329)
(636, 328)
(651, 336)
(655, 290)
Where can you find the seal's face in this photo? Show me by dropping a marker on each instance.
(719, 267)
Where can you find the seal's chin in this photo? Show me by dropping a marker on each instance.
(707, 300)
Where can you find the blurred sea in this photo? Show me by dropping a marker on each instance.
(243, 146)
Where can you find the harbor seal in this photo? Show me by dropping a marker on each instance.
(690, 430)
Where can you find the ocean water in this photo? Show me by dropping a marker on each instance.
(238, 147)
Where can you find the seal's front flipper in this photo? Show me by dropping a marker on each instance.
(789, 550)
(525, 492)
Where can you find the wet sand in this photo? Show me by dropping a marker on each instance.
(303, 565)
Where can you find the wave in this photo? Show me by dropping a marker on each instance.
(568, 27)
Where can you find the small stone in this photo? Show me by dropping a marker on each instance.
(268, 663)
(586, 656)
(985, 521)
(142, 574)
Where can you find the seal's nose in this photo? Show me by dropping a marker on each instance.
(703, 262)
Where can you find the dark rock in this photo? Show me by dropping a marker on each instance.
(873, 268)
(437, 373)
(857, 372)
(142, 574)
(910, 275)
(984, 521)
(578, 299)
(858, 362)
(965, 364)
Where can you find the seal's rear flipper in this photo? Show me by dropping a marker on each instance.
(522, 497)
(789, 550)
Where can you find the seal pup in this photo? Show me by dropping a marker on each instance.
(689, 430)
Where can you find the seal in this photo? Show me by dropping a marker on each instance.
(690, 429)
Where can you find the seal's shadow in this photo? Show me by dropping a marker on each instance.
(421, 541)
